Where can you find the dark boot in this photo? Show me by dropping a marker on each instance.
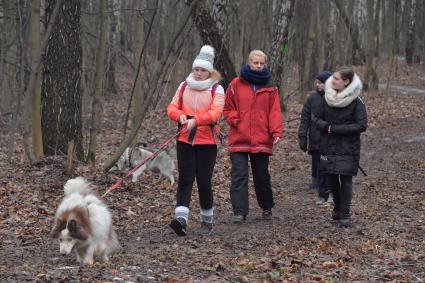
(206, 228)
(266, 215)
(238, 219)
(345, 221)
(336, 215)
(179, 226)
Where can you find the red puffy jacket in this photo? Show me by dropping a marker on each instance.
(254, 118)
(200, 104)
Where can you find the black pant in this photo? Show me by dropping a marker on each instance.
(195, 161)
(317, 175)
(239, 186)
(342, 190)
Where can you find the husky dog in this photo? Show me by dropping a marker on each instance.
(132, 156)
(83, 223)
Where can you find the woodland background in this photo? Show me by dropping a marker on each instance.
(96, 76)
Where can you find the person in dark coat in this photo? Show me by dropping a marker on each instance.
(309, 135)
(341, 122)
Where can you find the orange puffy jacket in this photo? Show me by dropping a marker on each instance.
(255, 118)
(203, 107)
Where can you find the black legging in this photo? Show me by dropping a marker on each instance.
(195, 161)
(342, 191)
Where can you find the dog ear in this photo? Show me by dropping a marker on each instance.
(57, 228)
(76, 231)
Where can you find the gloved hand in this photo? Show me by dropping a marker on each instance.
(191, 123)
(302, 141)
(320, 124)
(182, 119)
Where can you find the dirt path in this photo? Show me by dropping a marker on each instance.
(403, 89)
(299, 245)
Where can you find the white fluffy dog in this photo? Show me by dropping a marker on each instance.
(83, 223)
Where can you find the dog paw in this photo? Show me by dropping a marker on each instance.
(88, 261)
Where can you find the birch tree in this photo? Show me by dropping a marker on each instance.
(61, 85)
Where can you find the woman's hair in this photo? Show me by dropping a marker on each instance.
(215, 75)
(346, 73)
(257, 53)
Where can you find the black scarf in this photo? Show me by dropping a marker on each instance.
(254, 77)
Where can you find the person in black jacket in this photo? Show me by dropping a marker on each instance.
(313, 105)
(341, 122)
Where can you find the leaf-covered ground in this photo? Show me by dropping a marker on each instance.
(386, 243)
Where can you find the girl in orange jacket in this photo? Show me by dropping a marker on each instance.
(197, 106)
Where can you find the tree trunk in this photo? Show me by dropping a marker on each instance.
(353, 30)
(61, 91)
(330, 37)
(410, 42)
(221, 18)
(139, 97)
(97, 109)
(34, 44)
(209, 33)
(372, 80)
(21, 80)
(32, 84)
(419, 32)
(111, 85)
(6, 97)
(306, 78)
(405, 23)
(279, 48)
(320, 54)
(390, 28)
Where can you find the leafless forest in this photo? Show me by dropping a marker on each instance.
(82, 80)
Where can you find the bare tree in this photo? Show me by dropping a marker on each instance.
(352, 28)
(61, 86)
(309, 53)
(283, 15)
(371, 79)
(111, 85)
(97, 109)
(34, 45)
(209, 33)
(139, 43)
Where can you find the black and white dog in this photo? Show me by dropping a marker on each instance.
(132, 156)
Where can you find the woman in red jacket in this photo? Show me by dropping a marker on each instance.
(252, 110)
(197, 106)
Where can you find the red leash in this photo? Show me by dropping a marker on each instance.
(155, 153)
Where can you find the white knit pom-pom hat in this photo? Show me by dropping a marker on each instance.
(205, 58)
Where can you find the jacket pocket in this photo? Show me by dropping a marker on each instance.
(325, 164)
(261, 129)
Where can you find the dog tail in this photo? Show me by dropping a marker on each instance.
(77, 185)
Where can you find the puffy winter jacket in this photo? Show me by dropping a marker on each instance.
(200, 105)
(313, 106)
(254, 118)
(340, 150)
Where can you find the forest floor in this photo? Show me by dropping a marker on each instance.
(301, 244)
